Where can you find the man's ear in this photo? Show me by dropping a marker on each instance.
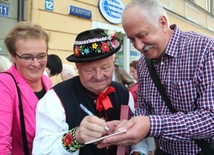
(163, 21)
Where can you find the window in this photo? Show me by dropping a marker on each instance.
(210, 6)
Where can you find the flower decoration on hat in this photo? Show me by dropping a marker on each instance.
(108, 41)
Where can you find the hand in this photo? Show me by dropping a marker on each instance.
(137, 128)
(91, 127)
(112, 126)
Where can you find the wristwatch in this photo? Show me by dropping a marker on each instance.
(137, 153)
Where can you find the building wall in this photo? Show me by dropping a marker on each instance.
(63, 28)
(7, 22)
(189, 16)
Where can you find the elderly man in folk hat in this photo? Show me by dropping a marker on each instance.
(62, 127)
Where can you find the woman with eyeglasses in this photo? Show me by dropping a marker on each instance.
(27, 44)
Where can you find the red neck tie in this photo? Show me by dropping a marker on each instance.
(103, 101)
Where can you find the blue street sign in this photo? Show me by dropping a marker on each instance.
(4, 9)
(76, 11)
(49, 5)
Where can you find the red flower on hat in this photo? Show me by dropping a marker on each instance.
(105, 47)
(76, 51)
(114, 36)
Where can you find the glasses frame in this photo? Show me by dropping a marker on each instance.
(32, 58)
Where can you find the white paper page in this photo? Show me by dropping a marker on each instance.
(101, 138)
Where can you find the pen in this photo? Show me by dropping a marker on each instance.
(85, 109)
(89, 113)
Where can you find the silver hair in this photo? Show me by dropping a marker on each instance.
(5, 63)
(151, 10)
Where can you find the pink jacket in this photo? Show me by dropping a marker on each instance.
(10, 129)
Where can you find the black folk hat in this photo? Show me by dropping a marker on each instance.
(95, 44)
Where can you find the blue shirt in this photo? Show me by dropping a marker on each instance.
(187, 73)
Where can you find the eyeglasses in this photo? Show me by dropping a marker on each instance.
(30, 58)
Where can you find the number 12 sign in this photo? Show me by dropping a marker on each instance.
(49, 5)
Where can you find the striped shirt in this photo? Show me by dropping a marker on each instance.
(187, 73)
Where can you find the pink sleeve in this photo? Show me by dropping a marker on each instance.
(6, 112)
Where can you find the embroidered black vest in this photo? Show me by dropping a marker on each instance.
(72, 93)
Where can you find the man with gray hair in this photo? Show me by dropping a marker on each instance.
(184, 64)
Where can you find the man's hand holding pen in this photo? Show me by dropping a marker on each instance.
(90, 128)
(90, 113)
